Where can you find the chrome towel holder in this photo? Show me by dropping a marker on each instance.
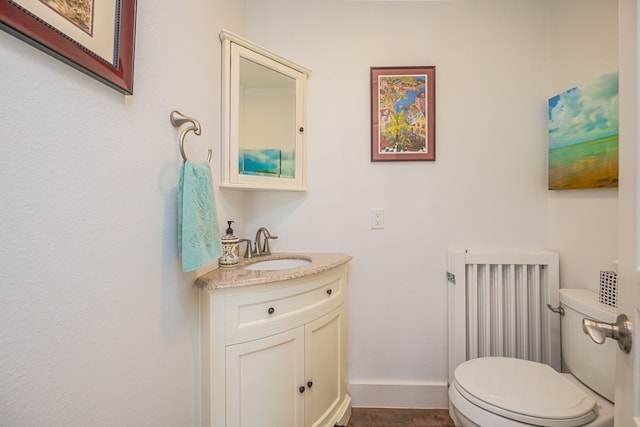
(177, 120)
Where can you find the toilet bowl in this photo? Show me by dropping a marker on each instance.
(507, 392)
(510, 392)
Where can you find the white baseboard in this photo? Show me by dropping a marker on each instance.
(370, 394)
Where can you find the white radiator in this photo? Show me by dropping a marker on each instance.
(498, 306)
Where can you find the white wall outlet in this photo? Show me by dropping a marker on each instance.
(377, 218)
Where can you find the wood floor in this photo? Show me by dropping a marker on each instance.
(376, 417)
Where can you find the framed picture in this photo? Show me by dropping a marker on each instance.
(93, 36)
(403, 113)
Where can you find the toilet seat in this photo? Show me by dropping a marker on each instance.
(524, 391)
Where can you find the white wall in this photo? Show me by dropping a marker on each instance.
(98, 324)
(487, 188)
(583, 224)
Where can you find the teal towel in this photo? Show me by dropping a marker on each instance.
(198, 234)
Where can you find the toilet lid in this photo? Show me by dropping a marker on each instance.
(525, 391)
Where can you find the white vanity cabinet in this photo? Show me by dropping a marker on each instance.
(263, 118)
(275, 354)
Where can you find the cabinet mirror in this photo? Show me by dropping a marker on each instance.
(263, 118)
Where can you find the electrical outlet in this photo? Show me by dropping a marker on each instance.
(377, 218)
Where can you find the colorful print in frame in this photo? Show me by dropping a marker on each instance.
(583, 135)
(403, 113)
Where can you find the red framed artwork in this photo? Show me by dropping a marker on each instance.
(403, 113)
(93, 36)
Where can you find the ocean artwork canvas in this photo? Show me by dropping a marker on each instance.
(583, 135)
(267, 162)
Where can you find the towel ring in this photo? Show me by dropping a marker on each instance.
(178, 119)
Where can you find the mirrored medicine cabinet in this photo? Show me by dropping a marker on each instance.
(263, 118)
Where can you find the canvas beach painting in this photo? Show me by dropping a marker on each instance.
(583, 135)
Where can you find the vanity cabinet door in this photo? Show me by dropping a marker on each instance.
(264, 379)
(325, 379)
(294, 378)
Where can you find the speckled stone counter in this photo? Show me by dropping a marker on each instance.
(222, 278)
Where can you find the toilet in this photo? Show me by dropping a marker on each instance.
(507, 392)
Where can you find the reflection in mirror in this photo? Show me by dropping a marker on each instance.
(267, 122)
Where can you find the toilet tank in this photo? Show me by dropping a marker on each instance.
(593, 364)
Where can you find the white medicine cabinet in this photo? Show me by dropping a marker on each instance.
(263, 118)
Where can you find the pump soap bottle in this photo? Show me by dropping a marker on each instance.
(230, 249)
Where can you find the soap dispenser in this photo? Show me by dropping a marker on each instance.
(230, 249)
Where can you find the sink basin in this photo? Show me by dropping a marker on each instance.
(278, 264)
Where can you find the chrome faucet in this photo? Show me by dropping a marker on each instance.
(262, 242)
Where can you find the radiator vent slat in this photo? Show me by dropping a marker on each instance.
(499, 306)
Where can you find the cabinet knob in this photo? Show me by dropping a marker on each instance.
(301, 129)
(271, 310)
(309, 384)
(329, 291)
(301, 389)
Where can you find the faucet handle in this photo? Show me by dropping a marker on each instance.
(248, 251)
(267, 251)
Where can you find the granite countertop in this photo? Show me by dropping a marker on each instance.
(222, 278)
